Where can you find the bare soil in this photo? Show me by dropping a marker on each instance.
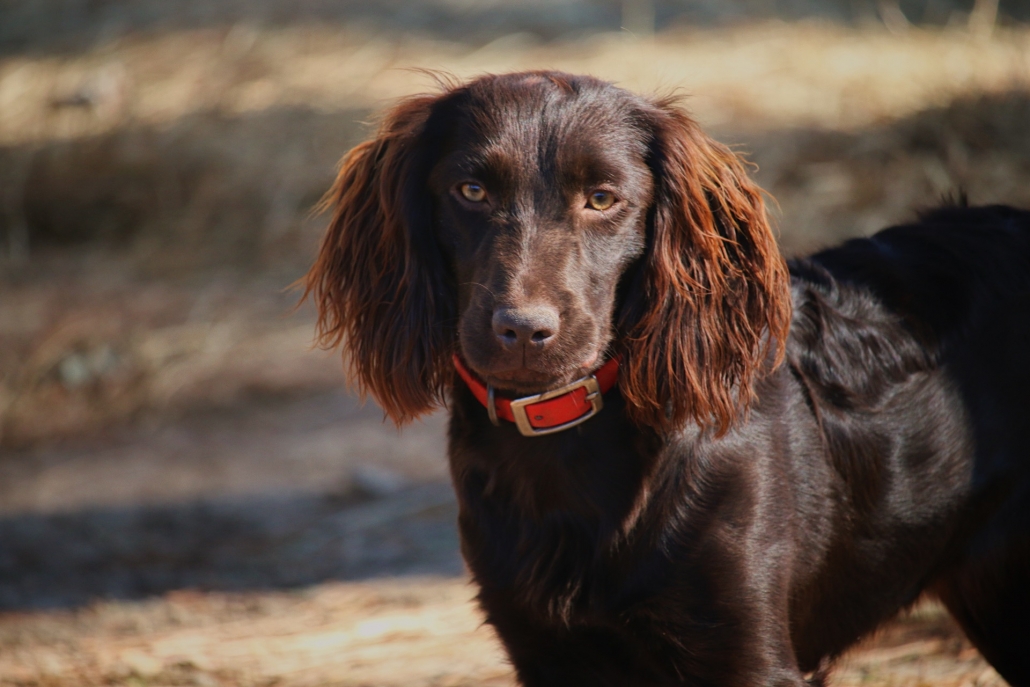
(419, 631)
(287, 542)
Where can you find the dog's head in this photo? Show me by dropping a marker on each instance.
(537, 223)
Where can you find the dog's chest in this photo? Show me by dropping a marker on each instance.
(552, 528)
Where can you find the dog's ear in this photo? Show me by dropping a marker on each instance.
(710, 307)
(379, 281)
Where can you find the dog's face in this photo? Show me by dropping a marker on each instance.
(540, 197)
(536, 222)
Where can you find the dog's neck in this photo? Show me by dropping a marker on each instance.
(558, 494)
(556, 410)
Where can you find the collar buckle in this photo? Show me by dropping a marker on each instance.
(518, 406)
(491, 405)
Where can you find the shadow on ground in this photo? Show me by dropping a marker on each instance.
(281, 493)
(258, 543)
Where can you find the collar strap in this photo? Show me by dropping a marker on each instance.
(551, 411)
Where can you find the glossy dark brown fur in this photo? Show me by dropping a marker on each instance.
(785, 462)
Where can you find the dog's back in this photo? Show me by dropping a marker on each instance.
(956, 266)
(959, 282)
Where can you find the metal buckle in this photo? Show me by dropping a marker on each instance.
(491, 405)
(518, 407)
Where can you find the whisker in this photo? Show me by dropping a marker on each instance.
(482, 286)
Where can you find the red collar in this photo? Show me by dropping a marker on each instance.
(551, 411)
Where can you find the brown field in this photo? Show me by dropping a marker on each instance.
(389, 633)
(187, 495)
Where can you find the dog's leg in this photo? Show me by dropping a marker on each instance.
(992, 604)
(545, 655)
(634, 653)
(989, 594)
(598, 658)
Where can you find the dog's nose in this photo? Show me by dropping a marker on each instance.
(516, 327)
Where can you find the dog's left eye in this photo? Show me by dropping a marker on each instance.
(473, 192)
(601, 200)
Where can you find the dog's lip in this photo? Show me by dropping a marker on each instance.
(524, 380)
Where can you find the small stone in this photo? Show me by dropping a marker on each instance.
(376, 481)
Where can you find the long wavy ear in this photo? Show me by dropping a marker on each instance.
(379, 281)
(710, 307)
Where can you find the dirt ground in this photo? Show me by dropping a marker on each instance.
(188, 493)
(410, 632)
(289, 541)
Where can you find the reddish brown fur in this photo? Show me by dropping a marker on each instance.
(374, 295)
(717, 301)
(717, 287)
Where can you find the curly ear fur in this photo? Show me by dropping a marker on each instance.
(712, 300)
(379, 282)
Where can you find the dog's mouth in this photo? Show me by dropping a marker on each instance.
(525, 381)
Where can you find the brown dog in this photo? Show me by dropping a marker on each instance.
(649, 495)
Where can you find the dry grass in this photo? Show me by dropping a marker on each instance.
(421, 632)
(767, 76)
(208, 147)
(87, 349)
(411, 633)
(226, 137)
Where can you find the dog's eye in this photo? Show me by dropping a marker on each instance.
(601, 200)
(473, 192)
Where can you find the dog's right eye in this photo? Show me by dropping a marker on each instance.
(473, 192)
(601, 200)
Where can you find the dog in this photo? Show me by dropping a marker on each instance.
(678, 459)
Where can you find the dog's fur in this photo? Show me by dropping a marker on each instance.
(788, 458)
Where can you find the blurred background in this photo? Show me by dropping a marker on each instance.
(188, 493)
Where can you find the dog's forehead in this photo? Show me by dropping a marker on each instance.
(551, 113)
